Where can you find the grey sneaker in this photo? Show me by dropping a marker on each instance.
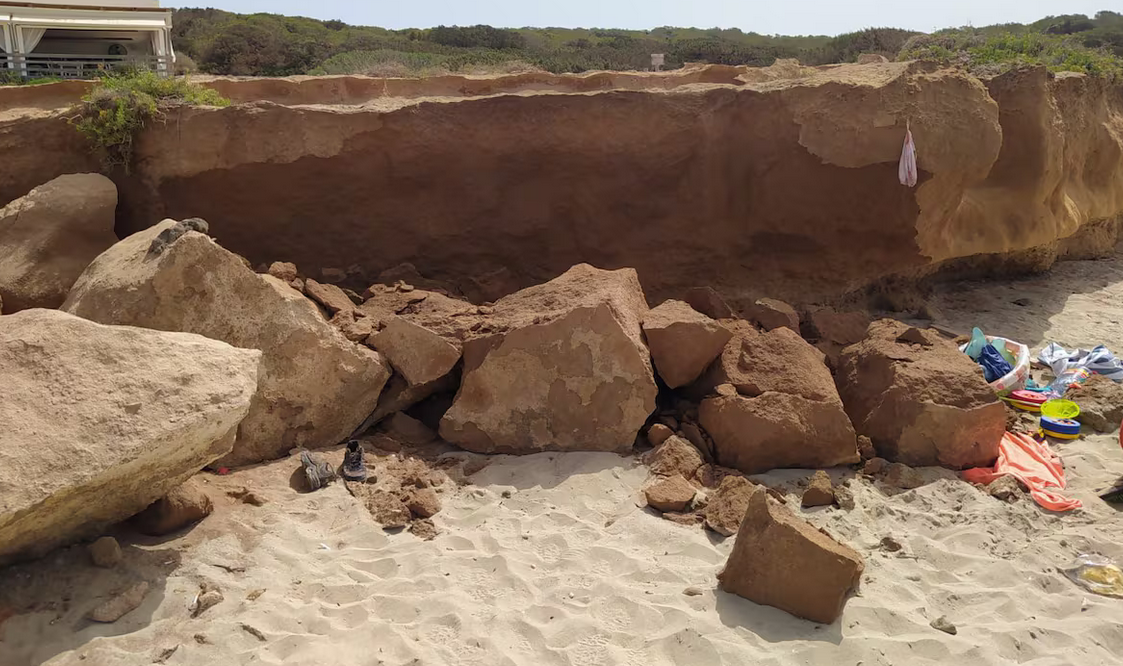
(317, 470)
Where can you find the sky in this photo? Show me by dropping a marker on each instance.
(790, 17)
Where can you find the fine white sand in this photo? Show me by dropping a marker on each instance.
(569, 570)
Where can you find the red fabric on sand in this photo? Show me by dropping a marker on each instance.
(1033, 464)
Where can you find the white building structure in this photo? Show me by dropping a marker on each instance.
(82, 38)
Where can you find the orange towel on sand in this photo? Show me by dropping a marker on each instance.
(1033, 464)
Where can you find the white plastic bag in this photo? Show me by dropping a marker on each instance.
(907, 169)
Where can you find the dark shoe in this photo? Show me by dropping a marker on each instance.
(317, 470)
(353, 467)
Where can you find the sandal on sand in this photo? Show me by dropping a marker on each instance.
(317, 470)
(353, 467)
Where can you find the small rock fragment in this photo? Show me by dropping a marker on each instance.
(355, 297)
(902, 476)
(874, 466)
(284, 271)
(658, 433)
(670, 494)
(253, 632)
(866, 449)
(424, 529)
(1005, 488)
(120, 605)
(253, 595)
(694, 435)
(423, 502)
(693, 592)
(183, 506)
(688, 519)
(943, 624)
(207, 599)
(328, 295)
(844, 498)
(105, 552)
(772, 314)
(708, 302)
(890, 545)
(726, 507)
(166, 653)
(820, 491)
(674, 456)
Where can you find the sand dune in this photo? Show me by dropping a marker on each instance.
(549, 560)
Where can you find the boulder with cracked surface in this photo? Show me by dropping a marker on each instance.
(784, 410)
(569, 372)
(97, 422)
(920, 404)
(683, 341)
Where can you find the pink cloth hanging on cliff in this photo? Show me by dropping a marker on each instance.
(907, 170)
(1033, 464)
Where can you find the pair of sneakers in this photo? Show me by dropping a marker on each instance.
(319, 472)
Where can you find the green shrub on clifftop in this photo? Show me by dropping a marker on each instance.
(120, 105)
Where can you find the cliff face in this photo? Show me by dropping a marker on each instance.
(779, 181)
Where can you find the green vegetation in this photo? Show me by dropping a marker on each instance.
(271, 45)
(1063, 44)
(120, 105)
(10, 78)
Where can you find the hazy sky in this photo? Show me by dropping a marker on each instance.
(790, 17)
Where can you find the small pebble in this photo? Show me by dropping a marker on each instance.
(941, 623)
(692, 592)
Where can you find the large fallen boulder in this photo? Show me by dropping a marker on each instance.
(49, 236)
(97, 422)
(567, 369)
(782, 561)
(919, 399)
(316, 386)
(785, 410)
(683, 341)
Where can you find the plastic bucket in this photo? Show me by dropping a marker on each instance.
(1016, 378)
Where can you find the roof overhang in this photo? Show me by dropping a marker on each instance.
(89, 18)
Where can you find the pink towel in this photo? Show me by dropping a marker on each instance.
(1033, 464)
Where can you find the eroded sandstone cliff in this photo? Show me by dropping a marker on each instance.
(780, 181)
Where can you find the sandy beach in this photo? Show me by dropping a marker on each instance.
(552, 559)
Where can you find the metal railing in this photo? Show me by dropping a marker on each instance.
(75, 66)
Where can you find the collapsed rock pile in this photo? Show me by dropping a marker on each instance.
(568, 365)
(316, 387)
